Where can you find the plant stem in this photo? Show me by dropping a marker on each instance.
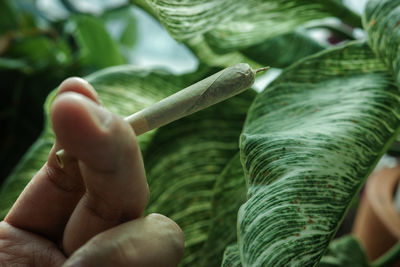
(389, 257)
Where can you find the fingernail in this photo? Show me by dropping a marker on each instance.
(88, 86)
(74, 83)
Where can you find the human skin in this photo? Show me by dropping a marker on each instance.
(90, 212)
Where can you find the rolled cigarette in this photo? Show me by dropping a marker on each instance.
(209, 91)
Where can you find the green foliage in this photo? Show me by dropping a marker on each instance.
(290, 47)
(345, 252)
(231, 257)
(36, 54)
(8, 20)
(228, 25)
(209, 139)
(94, 40)
(381, 21)
(277, 195)
(311, 138)
(228, 194)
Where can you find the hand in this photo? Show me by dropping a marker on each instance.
(92, 208)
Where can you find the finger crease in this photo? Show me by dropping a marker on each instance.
(63, 180)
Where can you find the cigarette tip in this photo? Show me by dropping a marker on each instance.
(262, 69)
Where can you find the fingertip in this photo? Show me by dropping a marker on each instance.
(91, 133)
(167, 223)
(77, 119)
(80, 86)
(172, 232)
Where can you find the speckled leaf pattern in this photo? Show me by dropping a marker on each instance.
(345, 252)
(183, 162)
(382, 20)
(123, 90)
(310, 140)
(229, 25)
(228, 195)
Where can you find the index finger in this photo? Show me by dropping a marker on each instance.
(46, 204)
(110, 163)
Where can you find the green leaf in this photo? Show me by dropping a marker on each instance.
(284, 50)
(231, 25)
(128, 37)
(381, 21)
(309, 142)
(123, 90)
(8, 17)
(98, 49)
(207, 56)
(231, 257)
(229, 193)
(183, 162)
(345, 252)
(122, 25)
(11, 63)
(39, 52)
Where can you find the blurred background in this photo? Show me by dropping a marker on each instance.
(45, 41)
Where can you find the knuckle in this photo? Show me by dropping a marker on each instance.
(62, 180)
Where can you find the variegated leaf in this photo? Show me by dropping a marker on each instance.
(183, 162)
(231, 25)
(284, 50)
(228, 194)
(382, 20)
(231, 257)
(345, 252)
(309, 142)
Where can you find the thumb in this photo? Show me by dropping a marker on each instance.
(152, 241)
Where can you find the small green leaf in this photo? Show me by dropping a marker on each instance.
(98, 49)
(310, 140)
(128, 37)
(345, 252)
(122, 25)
